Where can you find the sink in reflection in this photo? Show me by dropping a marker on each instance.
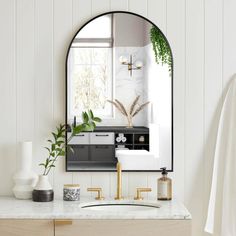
(121, 206)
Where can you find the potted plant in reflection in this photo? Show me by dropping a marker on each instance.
(43, 191)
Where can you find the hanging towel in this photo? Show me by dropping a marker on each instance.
(222, 203)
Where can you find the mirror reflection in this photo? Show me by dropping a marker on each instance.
(119, 66)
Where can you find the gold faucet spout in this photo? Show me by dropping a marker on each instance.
(119, 182)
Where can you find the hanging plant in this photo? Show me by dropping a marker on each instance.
(160, 47)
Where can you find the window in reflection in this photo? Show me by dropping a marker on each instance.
(90, 68)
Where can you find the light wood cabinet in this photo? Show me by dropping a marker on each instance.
(123, 227)
(95, 227)
(26, 228)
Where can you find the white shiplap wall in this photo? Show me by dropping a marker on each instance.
(34, 38)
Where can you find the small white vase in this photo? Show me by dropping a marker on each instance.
(43, 183)
(43, 190)
(25, 179)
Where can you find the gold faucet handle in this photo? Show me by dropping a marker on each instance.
(99, 193)
(139, 191)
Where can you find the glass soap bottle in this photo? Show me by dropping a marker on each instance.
(164, 187)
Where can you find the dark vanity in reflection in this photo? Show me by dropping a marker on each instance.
(96, 150)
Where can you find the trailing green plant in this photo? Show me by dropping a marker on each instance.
(161, 48)
(58, 144)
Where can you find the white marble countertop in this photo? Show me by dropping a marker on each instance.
(11, 208)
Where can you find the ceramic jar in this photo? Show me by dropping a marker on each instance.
(71, 192)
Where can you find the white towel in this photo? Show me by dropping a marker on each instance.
(222, 204)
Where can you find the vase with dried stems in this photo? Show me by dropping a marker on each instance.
(133, 110)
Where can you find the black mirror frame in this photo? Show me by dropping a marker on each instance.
(172, 95)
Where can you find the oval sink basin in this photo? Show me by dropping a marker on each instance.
(120, 206)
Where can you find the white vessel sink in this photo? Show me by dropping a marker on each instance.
(121, 206)
(137, 160)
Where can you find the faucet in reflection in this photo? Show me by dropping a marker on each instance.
(119, 182)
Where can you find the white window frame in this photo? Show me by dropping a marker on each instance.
(109, 44)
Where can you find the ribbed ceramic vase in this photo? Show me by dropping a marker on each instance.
(25, 179)
(43, 191)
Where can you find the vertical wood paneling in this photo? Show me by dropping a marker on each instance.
(121, 5)
(101, 6)
(157, 13)
(102, 180)
(138, 6)
(82, 11)
(176, 36)
(84, 179)
(25, 69)
(61, 38)
(43, 79)
(229, 49)
(194, 113)
(137, 180)
(7, 96)
(213, 86)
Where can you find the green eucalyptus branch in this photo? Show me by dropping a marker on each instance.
(58, 144)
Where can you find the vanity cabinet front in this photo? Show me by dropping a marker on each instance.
(102, 153)
(79, 153)
(123, 227)
(26, 227)
(80, 139)
(65, 227)
(102, 138)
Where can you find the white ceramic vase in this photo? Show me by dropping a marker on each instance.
(43, 191)
(25, 179)
(43, 183)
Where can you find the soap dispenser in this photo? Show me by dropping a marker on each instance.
(164, 187)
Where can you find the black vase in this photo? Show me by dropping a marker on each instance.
(43, 195)
(43, 191)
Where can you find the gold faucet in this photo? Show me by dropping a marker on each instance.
(99, 193)
(119, 182)
(139, 191)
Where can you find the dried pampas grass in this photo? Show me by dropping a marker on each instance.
(134, 109)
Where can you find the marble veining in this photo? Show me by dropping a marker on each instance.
(11, 208)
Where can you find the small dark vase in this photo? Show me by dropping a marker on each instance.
(43, 191)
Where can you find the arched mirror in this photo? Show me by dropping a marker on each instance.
(120, 66)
